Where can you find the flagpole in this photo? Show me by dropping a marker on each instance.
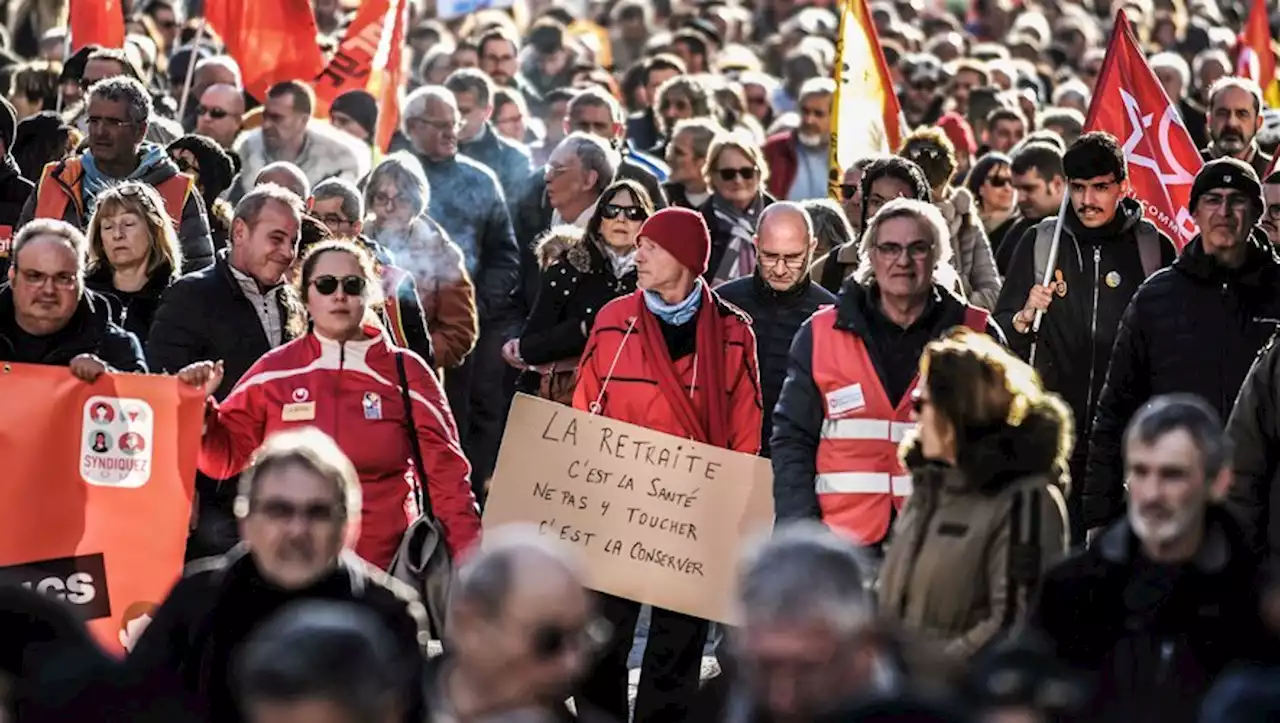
(191, 67)
(1048, 269)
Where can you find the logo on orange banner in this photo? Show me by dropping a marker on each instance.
(98, 485)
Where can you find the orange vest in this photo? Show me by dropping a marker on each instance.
(392, 277)
(54, 192)
(860, 479)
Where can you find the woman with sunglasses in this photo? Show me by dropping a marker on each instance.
(134, 254)
(736, 173)
(987, 513)
(991, 184)
(578, 279)
(344, 377)
(932, 151)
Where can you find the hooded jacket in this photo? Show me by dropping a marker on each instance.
(1195, 327)
(1079, 329)
(972, 257)
(89, 331)
(193, 227)
(1154, 637)
(14, 192)
(950, 575)
(800, 412)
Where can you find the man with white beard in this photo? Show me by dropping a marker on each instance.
(1166, 598)
(799, 159)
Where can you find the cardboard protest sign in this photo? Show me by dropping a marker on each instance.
(97, 491)
(657, 519)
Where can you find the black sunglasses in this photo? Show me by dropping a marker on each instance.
(631, 213)
(746, 174)
(214, 113)
(848, 190)
(999, 181)
(351, 285)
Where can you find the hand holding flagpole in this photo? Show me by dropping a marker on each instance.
(1049, 267)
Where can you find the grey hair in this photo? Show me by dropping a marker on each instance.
(1076, 86)
(595, 155)
(471, 80)
(803, 572)
(250, 207)
(926, 214)
(57, 228)
(1170, 413)
(703, 130)
(1208, 55)
(415, 104)
(405, 172)
(299, 183)
(830, 225)
(1172, 61)
(595, 96)
(123, 89)
(485, 580)
(1226, 82)
(352, 201)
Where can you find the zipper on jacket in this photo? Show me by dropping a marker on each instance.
(337, 407)
(1093, 334)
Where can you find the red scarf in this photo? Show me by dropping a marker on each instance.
(705, 418)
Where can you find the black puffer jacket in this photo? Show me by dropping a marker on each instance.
(776, 316)
(1254, 430)
(89, 331)
(797, 420)
(1195, 327)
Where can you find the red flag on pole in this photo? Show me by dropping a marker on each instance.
(273, 40)
(1130, 104)
(96, 22)
(1254, 56)
(369, 58)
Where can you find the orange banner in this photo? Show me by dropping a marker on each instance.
(370, 58)
(98, 482)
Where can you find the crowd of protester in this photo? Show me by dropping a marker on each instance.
(995, 499)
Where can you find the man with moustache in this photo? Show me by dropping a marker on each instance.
(1271, 207)
(1194, 328)
(1165, 599)
(799, 160)
(1234, 119)
(1107, 250)
(779, 296)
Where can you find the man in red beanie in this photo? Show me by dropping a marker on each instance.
(672, 356)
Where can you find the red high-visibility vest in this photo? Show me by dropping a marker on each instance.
(59, 187)
(860, 479)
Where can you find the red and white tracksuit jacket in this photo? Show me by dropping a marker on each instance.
(350, 390)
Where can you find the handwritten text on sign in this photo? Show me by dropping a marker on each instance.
(658, 519)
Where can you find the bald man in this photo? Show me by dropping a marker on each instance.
(522, 631)
(220, 113)
(283, 173)
(779, 296)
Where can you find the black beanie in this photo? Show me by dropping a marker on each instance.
(362, 109)
(1228, 173)
(216, 168)
(8, 125)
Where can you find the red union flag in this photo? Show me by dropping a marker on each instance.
(370, 59)
(1130, 104)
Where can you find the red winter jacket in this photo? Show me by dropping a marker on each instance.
(783, 161)
(351, 391)
(614, 362)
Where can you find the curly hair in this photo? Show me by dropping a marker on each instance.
(929, 148)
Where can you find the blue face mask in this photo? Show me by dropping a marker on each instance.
(679, 313)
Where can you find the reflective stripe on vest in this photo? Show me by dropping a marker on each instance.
(52, 195)
(859, 479)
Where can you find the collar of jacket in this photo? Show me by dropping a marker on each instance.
(289, 306)
(238, 562)
(1129, 210)
(857, 303)
(786, 297)
(486, 139)
(1259, 268)
(1222, 542)
(86, 325)
(157, 281)
(990, 459)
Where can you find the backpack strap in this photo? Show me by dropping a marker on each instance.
(1024, 551)
(1148, 247)
(1043, 245)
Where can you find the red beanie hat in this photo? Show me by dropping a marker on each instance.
(958, 132)
(683, 234)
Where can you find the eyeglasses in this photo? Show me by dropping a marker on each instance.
(999, 181)
(63, 281)
(550, 641)
(314, 513)
(848, 191)
(440, 126)
(382, 199)
(214, 113)
(728, 174)
(333, 219)
(768, 260)
(631, 213)
(351, 285)
(111, 123)
(917, 250)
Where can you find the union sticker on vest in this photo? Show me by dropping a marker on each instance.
(846, 399)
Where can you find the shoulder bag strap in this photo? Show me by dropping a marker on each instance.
(420, 469)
